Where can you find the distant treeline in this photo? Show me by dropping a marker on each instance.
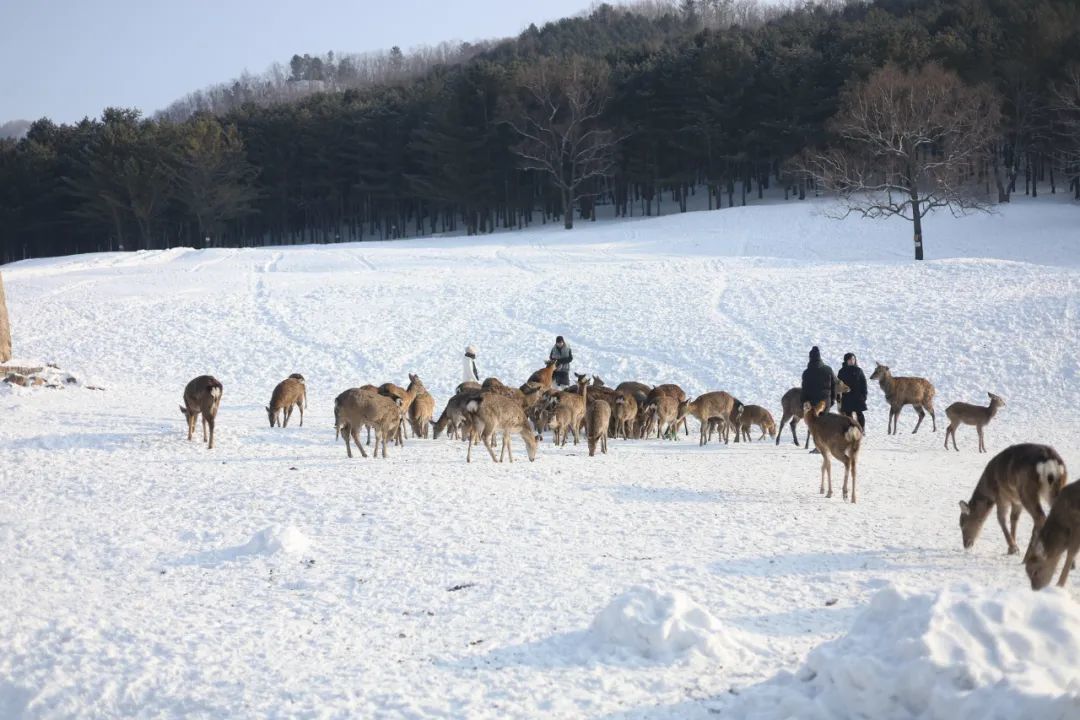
(620, 107)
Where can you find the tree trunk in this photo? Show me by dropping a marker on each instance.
(5, 326)
(916, 215)
(568, 210)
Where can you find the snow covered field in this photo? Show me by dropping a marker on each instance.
(145, 576)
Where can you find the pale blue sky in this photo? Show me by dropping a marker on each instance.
(65, 59)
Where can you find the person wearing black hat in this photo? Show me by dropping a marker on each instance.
(818, 382)
(853, 401)
(563, 356)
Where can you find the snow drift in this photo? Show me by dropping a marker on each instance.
(961, 653)
(659, 624)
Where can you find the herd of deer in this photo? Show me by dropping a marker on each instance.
(1021, 477)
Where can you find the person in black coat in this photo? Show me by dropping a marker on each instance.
(853, 401)
(818, 382)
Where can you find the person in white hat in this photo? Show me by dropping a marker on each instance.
(469, 373)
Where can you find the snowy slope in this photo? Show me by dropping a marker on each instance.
(272, 576)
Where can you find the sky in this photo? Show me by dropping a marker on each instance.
(66, 59)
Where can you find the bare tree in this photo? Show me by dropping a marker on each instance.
(559, 116)
(908, 143)
(1066, 106)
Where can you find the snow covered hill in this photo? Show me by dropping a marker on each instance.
(146, 576)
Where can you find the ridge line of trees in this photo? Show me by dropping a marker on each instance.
(644, 106)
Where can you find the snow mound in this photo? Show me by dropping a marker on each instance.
(275, 539)
(958, 654)
(659, 624)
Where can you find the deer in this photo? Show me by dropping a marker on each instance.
(454, 418)
(632, 387)
(625, 412)
(469, 386)
(1020, 477)
(961, 413)
(545, 375)
(422, 407)
(675, 391)
(598, 417)
(791, 403)
(574, 402)
(298, 376)
(901, 391)
(756, 415)
(707, 407)
(492, 413)
(406, 397)
(202, 396)
(838, 435)
(662, 412)
(287, 393)
(1059, 534)
(356, 408)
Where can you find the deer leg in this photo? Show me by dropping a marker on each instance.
(982, 442)
(368, 434)
(300, 407)
(826, 472)
(356, 439)
(922, 416)
(929, 407)
(345, 434)
(853, 480)
(211, 423)
(794, 422)
(1070, 560)
(489, 442)
(847, 471)
(509, 446)
(1002, 515)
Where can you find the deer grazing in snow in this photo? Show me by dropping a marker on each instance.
(838, 435)
(901, 391)
(756, 415)
(357, 407)
(961, 413)
(288, 393)
(1059, 534)
(492, 413)
(298, 376)
(1020, 477)
(202, 396)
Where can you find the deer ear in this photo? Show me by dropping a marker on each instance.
(183, 410)
(965, 509)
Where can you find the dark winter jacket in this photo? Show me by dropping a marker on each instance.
(853, 377)
(818, 383)
(562, 357)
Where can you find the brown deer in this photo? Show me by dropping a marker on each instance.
(356, 408)
(468, 387)
(1059, 534)
(901, 391)
(492, 413)
(707, 407)
(574, 403)
(298, 376)
(544, 376)
(961, 413)
(838, 435)
(626, 412)
(599, 417)
(289, 392)
(791, 404)
(1020, 477)
(421, 409)
(632, 386)
(202, 396)
(454, 419)
(756, 415)
(660, 413)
